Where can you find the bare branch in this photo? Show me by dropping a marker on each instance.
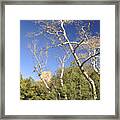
(78, 44)
(84, 32)
(62, 62)
(89, 59)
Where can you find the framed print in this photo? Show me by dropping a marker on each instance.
(59, 60)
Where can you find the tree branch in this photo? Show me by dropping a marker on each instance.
(89, 59)
(78, 44)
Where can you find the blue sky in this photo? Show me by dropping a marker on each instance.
(26, 58)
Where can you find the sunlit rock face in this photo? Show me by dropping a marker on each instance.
(46, 75)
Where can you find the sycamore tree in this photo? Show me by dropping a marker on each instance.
(75, 39)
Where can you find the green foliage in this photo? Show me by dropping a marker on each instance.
(75, 86)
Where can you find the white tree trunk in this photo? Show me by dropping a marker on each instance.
(91, 82)
(92, 85)
(94, 62)
(62, 62)
(61, 75)
(45, 83)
